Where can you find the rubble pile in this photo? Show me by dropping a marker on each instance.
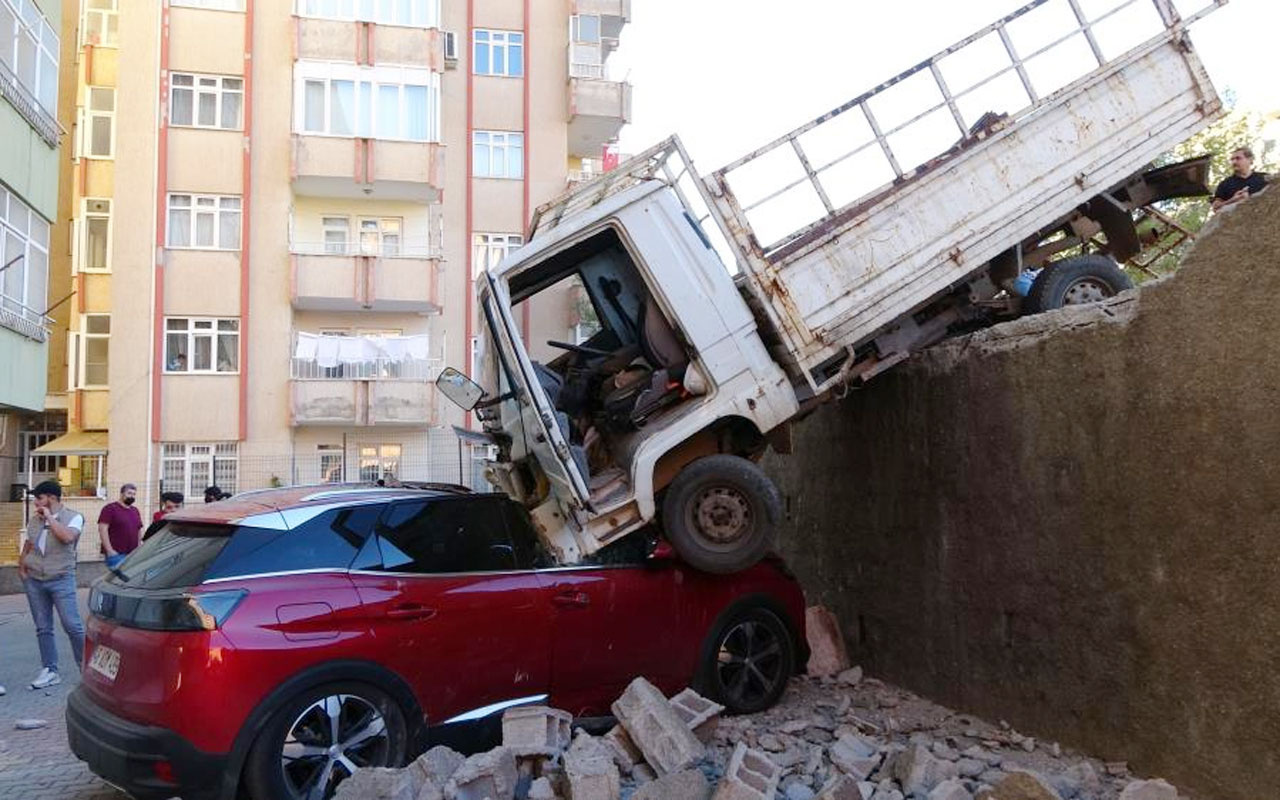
(837, 737)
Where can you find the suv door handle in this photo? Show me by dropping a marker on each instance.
(572, 599)
(411, 611)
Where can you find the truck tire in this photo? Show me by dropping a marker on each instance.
(719, 513)
(1075, 281)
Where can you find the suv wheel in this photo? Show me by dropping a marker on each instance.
(319, 738)
(747, 660)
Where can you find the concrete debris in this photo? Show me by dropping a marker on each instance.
(653, 724)
(919, 770)
(438, 764)
(592, 773)
(1020, 786)
(689, 784)
(851, 676)
(30, 724)
(841, 787)
(698, 713)
(381, 784)
(827, 653)
(749, 776)
(536, 730)
(951, 789)
(1149, 790)
(541, 789)
(484, 776)
(855, 756)
(625, 753)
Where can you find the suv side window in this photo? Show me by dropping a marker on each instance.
(445, 535)
(530, 554)
(327, 541)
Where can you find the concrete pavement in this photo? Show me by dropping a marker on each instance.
(37, 764)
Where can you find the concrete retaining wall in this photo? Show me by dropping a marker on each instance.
(1072, 521)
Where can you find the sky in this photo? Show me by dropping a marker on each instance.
(730, 75)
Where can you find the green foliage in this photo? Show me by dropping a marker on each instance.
(1238, 128)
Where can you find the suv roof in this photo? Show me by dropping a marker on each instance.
(236, 509)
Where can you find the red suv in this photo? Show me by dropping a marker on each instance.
(274, 642)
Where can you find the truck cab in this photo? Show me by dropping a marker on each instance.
(669, 370)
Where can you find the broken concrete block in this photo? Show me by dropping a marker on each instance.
(541, 789)
(536, 730)
(827, 654)
(1020, 786)
(841, 787)
(951, 789)
(625, 753)
(380, 784)
(643, 773)
(688, 784)
(699, 713)
(919, 770)
(1079, 778)
(589, 766)
(655, 727)
(854, 756)
(431, 791)
(484, 776)
(438, 764)
(749, 776)
(851, 676)
(1149, 790)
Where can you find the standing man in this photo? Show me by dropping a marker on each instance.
(48, 571)
(1242, 183)
(120, 526)
(169, 503)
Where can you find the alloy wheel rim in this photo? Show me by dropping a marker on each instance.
(749, 664)
(329, 740)
(1086, 290)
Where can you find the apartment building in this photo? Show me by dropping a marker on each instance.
(276, 212)
(29, 148)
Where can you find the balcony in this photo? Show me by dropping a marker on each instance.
(598, 109)
(342, 40)
(367, 169)
(362, 381)
(613, 14)
(329, 278)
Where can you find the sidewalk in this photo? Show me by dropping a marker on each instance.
(37, 765)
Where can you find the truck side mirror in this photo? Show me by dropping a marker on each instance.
(464, 392)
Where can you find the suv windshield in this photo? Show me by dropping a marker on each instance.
(177, 556)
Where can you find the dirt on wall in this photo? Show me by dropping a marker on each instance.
(1072, 521)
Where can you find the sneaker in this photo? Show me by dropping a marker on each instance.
(46, 678)
(2, 692)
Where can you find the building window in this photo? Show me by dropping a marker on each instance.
(24, 257)
(408, 13)
(201, 345)
(97, 129)
(584, 28)
(490, 248)
(216, 5)
(497, 154)
(204, 221)
(332, 457)
(376, 102)
(379, 462)
(337, 235)
(29, 52)
(95, 336)
(586, 51)
(100, 23)
(380, 236)
(94, 248)
(205, 101)
(498, 53)
(191, 468)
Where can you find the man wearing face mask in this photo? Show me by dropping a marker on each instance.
(120, 526)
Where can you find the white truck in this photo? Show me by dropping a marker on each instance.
(694, 355)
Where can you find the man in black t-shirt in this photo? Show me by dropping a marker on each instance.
(1243, 183)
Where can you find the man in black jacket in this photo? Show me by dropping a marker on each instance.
(1242, 183)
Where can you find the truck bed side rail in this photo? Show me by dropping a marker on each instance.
(822, 179)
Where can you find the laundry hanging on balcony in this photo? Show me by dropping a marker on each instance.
(328, 352)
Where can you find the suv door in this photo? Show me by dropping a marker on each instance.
(611, 621)
(452, 610)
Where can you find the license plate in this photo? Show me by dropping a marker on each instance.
(105, 661)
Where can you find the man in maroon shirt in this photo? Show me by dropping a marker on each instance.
(120, 526)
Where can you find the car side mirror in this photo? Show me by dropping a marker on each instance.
(461, 390)
(662, 553)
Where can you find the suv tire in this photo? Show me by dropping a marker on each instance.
(719, 513)
(747, 659)
(291, 753)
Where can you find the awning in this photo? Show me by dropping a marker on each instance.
(75, 443)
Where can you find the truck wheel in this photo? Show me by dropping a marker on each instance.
(1076, 281)
(719, 513)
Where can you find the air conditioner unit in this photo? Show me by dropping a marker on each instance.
(450, 49)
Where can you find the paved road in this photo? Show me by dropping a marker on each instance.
(37, 765)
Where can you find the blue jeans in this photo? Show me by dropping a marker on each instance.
(114, 561)
(45, 596)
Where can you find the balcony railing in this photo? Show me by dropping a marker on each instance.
(412, 247)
